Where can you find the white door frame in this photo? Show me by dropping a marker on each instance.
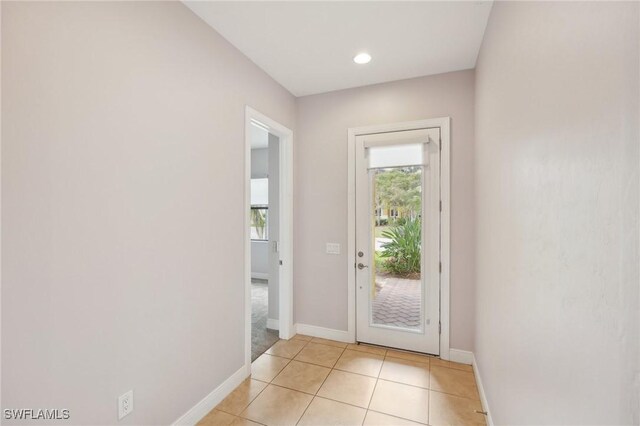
(285, 290)
(445, 185)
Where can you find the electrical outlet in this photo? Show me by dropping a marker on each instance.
(125, 404)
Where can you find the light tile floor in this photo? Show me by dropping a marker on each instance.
(311, 381)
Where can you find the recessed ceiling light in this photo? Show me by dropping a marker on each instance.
(362, 58)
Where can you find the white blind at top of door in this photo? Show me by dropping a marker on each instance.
(396, 155)
(396, 149)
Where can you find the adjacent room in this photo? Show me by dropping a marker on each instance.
(320, 213)
(264, 232)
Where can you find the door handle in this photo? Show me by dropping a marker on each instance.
(362, 266)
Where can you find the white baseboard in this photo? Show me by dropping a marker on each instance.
(273, 324)
(460, 356)
(202, 408)
(483, 396)
(325, 333)
(260, 275)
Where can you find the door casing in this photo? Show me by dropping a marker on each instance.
(285, 289)
(426, 339)
(444, 123)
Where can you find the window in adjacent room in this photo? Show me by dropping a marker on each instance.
(260, 209)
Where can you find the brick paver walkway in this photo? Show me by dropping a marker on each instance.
(397, 302)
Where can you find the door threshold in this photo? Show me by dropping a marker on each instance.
(397, 349)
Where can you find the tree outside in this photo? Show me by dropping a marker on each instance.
(398, 225)
(398, 193)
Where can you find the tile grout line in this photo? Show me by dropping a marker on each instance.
(325, 379)
(452, 394)
(245, 407)
(341, 402)
(353, 372)
(250, 402)
(429, 396)
(268, 383)
(429, 388)
(323, 397)
(289, 360)
(332, 368)
(376, 385)
(397, 417)
(372, 393)
(377, 378)
(428, 358)
(331, 399)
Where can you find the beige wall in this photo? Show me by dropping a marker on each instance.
(122, 140)
(321, 190)
(557, 212)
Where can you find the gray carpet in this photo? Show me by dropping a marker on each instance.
(261, 337)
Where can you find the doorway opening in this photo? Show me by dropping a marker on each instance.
(268, 241)
(264, 232)
(399, 235)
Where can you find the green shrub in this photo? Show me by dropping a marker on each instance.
(403, 253)
(379, 261)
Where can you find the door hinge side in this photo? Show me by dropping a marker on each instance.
(440, 267)
(440, 205)
(439, 327)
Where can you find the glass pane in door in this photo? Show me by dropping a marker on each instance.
(396, 238)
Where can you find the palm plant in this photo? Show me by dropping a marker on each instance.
(402, 253)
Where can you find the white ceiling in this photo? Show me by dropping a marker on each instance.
(308, 46)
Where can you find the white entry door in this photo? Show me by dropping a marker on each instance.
(398, 239)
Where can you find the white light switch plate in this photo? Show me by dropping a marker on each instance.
(333, 248)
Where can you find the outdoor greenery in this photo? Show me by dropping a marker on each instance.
(398, 206)
(402, 253)
(398, 189)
